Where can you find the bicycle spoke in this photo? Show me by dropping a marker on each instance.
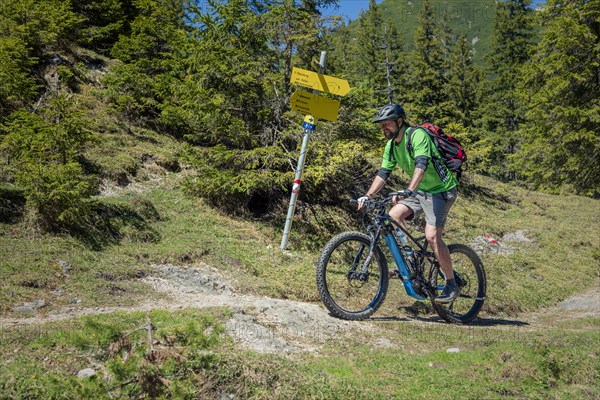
(352, 283)
(471, 278)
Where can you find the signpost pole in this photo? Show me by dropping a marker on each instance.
(308, 121)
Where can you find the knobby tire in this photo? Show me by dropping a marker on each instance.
(346, 298)
(464, 309)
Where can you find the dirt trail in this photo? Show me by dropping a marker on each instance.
(280, 326)
(273, 325)
(259, 323)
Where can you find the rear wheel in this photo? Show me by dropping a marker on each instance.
(352, 284)
(470, 275)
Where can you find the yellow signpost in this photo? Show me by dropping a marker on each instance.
(320, 82)
(313, 104)
(316, 107)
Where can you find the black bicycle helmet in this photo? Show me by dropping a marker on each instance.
(391, 111)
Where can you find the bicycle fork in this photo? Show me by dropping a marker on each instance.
(364, 270)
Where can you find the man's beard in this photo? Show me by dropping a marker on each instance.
(392, 134)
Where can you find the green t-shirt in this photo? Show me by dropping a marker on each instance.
(422, 146)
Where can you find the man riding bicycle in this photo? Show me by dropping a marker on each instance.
(435, 184)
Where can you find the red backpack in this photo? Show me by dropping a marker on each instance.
(453, 154)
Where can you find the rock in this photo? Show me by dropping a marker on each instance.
(65, 265)
(238, 310)
(482, 245)
(197, 279)
(75, 300)
(37, 304)
(518, 236)
(589, 301)
(29, 307)
(57, 292)
(24, 310)
(263, 339)
(86, 373)
(437, 364)
(453, 350)
(385, 343)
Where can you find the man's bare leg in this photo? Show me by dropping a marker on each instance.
(451, 288)
(434, 237)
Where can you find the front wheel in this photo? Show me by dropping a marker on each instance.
(352, 283)
(470, 275)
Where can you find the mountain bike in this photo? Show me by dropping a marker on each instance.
(353, 276)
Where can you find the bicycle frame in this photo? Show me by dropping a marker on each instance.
(386, 223)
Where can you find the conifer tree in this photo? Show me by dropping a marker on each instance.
(394, 65)
(463, 83)
(501, 113)
(44, 154)
(104, 21)
(428, 79)
(447, 37)
(340, 54)
(368, 51)
(561, 85)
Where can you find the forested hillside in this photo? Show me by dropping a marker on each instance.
(78, 78)
(147, 152)
(473, 19)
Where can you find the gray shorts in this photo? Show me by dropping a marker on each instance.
(435, 206)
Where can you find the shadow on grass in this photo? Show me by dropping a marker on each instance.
(12, 205)
(484, 194)
(95, 223)
(103, 224)
(479, 321)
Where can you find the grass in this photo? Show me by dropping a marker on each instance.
(492, 363)
(561, 259)
(192, 358)
(500, 357)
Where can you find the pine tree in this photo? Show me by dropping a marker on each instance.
(561, 86)
(501, 113)
(427, 93)
(104, 21)
(368, 51)
(447, 37)
(463, 83)
(44, 152)
(394, 64)
(340, 55)
(17, 86)
(312, 28)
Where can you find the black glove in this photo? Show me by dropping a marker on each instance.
(407, 193)
(454, 164)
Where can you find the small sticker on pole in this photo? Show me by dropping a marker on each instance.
(309, 123)
(296, 187)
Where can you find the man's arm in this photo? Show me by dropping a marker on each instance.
(376, 186)
(414, 183)
(416, 179)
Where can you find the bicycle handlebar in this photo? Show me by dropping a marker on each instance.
(370, 203)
